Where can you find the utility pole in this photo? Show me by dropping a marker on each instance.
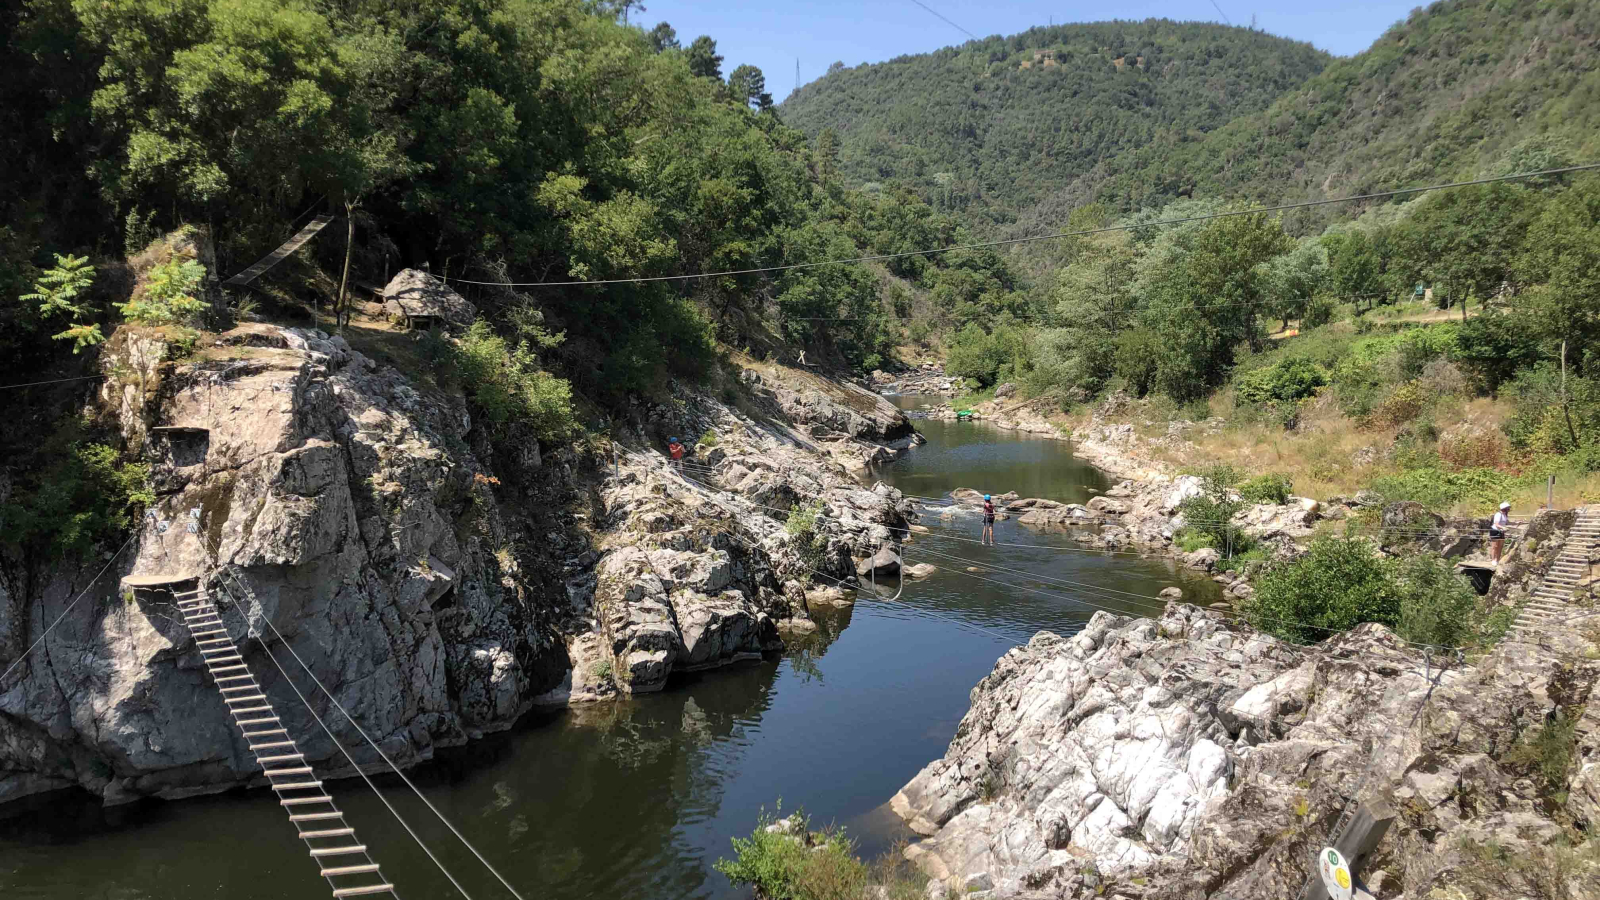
(797, 73)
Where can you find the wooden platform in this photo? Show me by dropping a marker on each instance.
(261, 265)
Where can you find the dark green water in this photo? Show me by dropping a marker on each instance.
(637, 799)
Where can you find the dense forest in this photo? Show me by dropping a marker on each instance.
(993, 125)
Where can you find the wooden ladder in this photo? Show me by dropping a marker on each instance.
(279, 255)
(331, 842)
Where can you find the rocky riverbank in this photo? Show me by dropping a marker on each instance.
(1185, 758)
(438, 583)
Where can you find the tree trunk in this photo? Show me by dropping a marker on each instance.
(341, 312)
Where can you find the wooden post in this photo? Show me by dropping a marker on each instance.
(1366, 829)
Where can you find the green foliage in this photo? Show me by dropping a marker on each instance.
(1339, 583)
(1440, 489)
(509, 390)
(79, 495)
(1268, 488)
(1209, 512)
(57, 292)
(989, 358)
(1290, 379)
(808, 540)
(805, 865)
(1495, 347)
(168, 297)
(1548, 753)
(1436, 605)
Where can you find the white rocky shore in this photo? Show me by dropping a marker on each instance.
(1181, 758)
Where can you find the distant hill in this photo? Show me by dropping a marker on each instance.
(996, 125)
(1447, 93)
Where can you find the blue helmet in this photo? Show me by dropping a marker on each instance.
(986, 496)
(672, 440)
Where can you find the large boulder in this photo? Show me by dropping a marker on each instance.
(885, 562)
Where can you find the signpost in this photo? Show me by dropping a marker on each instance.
(1335, 874)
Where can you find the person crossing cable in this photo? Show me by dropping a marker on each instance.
(988, 520)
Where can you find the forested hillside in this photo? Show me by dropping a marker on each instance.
(1444, 94)
(991, 126)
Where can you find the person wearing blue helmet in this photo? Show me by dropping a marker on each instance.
(675, 449)
(988, 520)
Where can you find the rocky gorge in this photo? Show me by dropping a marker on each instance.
(440, 586)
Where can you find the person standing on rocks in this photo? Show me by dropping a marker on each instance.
(1497, 531)
(988, 521)
(675, 449)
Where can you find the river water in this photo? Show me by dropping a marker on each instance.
(638, 798)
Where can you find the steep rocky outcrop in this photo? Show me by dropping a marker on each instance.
(438, 585)
(1182, 758)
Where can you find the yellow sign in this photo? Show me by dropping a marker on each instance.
(1335, 873)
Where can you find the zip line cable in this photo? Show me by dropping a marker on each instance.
(52, 627)
(6, 387)
(1144, 598)
(379, 750)
(342, 749)
(1045, 237)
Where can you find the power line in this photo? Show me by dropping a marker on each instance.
(945, 20)
(379, 750)
(52, 627)
(1043, 237)
(1221, 13)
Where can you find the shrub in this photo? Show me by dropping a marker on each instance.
(1548, 753)
(1209, 512)
(1287, 380)
(168, 297)
(1405, 404)
(508, 387)
(1191, 539)
(808, 541)
(78, 498)
(1481, 449)
(1436, 605)
(1269, 488)
(802, 865)
(1439, 488)
(1339, 583)
(1495, 347)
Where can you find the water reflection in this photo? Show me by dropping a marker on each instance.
(637, 798)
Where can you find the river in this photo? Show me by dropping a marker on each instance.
(638, 798)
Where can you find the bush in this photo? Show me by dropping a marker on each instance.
(1495, 347)
(1208, 513)
(1339, 583)
(168, 298)
(796, 864)
(80, 497)
(508, 388)
(1436, 606)
(1407, 402)
(1269, 488)
(808, 541)
(1287, 380)
(1438, 488)
(1548, 753)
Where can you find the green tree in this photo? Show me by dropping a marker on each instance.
(704, 61)
(1561, 259)
(169, 296)
(1203, 304)
(1292, 280)
(748, 87)
(1338, 584)
(664, 37)
(57, 292)
(1464, 241)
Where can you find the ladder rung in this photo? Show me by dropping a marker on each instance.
(273, 745)
(212, 641)
(261, 721)
(281, 757)
(328, 833)
(316, 817)
(248, 698)
(305, 801)
(236, 678)
(297, 786)
(229, 668)
(295, 770)
(350, 870)
(340, 851)
(254, 709)
(243, 687)
(369, 889)
(220, 660)
(265, 731)
(208, 633)
(210, 650)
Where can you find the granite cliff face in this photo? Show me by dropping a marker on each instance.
(438, 586)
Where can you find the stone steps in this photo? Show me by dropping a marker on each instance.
(1550, 603)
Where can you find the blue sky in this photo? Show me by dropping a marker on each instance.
(772, 34)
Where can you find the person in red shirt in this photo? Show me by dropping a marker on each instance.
(988, 520)
(676, 450)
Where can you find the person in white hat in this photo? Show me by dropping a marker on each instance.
(1497, 531)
